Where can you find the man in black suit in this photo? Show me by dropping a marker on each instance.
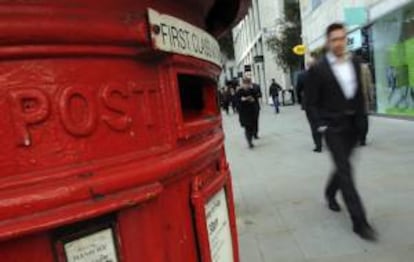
(335, 101)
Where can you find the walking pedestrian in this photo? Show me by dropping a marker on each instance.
(300, 88)
(335, 101)
(301, 84)
(257, 95)
(225, 96)
(274, 91)
(220, 97)
(367, 87)
(233, 99)
(247, 109)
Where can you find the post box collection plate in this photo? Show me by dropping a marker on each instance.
(218, 223)
(96, 247)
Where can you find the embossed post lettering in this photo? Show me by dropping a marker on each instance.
(28, 107)
(78, 120)
(120, 121)
(78, 109)
(145, 94)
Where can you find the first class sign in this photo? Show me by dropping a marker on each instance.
(170, 34)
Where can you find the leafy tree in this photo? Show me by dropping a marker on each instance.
(287, 37)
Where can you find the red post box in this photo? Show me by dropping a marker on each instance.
(111, 141)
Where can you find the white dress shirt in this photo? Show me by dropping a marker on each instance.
(345, 74)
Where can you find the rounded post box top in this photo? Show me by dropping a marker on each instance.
(106, 21)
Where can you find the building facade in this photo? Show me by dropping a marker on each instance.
(251, 53)
(228, 72)
(382, 33)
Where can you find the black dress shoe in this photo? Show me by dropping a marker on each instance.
(251, 145)
(317, 150)
(366, 232)
(334, 206)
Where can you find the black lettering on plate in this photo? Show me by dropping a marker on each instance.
(181, 34)
(174, 33)
(164, 32)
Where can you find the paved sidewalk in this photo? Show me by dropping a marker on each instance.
(279, 193)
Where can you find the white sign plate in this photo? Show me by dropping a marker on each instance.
(218, 225)
(174, 35)
(97, 247)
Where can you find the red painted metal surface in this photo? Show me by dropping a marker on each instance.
(93, 129)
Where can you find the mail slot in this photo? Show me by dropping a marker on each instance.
(197, 97)
(111, 140)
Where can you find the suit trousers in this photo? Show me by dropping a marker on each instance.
(363, 126)
(249, 132)
(341, 144)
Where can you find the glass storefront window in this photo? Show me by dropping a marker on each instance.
(393, 37)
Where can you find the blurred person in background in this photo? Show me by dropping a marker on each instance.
(257, 94)
(335, 100)
(247, 109)
(301, 83)
(300, 87)
(225, 99)
(274, 91)
(233, 98)
(367, 90)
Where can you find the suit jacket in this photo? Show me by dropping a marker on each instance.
(325, 100)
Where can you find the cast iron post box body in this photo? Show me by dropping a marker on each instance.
(111, 146)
